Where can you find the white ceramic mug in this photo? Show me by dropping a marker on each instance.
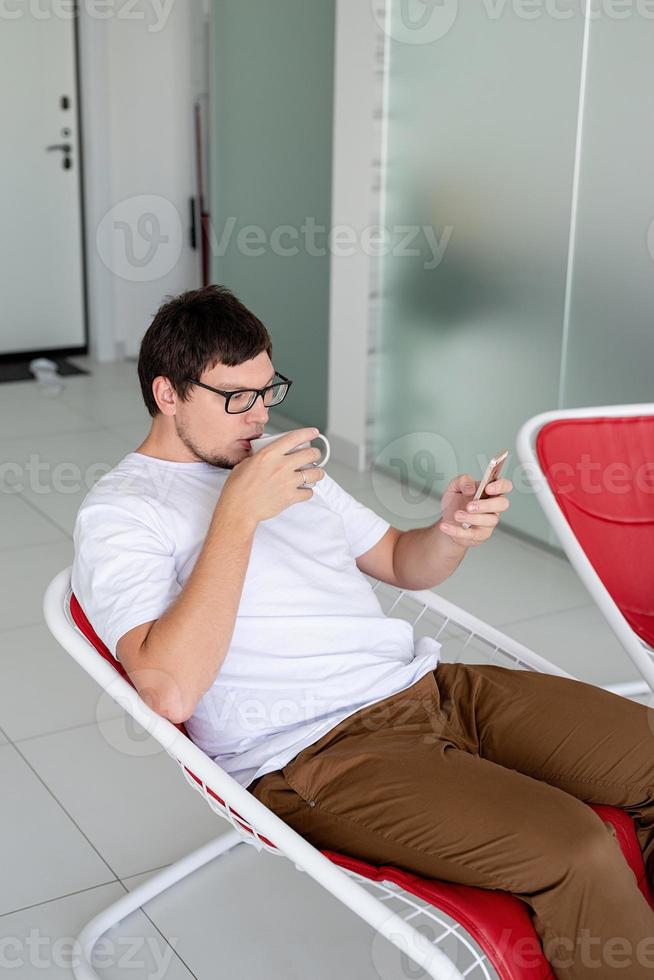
(257, 444)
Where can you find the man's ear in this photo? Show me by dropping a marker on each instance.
(164, 395)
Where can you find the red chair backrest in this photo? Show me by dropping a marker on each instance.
(81, 621)
(601, 472)
(83, 624)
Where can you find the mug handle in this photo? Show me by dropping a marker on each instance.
(320, 462)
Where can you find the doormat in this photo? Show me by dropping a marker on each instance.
(20, 370)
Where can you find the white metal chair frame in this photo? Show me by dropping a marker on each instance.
(464, 637)
(640, 652)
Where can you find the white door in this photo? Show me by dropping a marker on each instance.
(42, 304)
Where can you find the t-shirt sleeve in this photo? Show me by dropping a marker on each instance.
(363, 527)
(124, 571)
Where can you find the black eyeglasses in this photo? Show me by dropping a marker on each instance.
(244, 398)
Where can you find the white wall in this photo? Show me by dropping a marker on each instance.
(138, 83)
(355, 203)
(139, 75)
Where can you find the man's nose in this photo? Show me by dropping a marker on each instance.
(258, 412)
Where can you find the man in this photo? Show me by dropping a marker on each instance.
(230, 586)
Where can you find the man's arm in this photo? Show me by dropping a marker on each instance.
(174, 660)
(424, 557)
(417, 559)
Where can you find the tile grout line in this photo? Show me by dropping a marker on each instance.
(103, 884)
(117, 879)
(57, 898)
(47, 517)
(549, 612)
(95, 427)
(148, 871)
(91, 424)
(59, 803)
(156, 927)
(68, 728)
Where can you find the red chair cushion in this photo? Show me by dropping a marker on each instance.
(497, 920)
(500, 922)
(601, 472)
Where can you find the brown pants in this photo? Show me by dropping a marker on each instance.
(476, 774)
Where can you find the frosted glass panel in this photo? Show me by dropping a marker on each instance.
(481, 137)
(272, 85)
(610, 351)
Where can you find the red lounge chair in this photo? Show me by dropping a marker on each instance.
(477, 933)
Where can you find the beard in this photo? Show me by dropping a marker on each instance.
(213, 459)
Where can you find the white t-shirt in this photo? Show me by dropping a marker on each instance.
(311, 644)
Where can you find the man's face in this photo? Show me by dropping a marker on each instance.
(207, 430)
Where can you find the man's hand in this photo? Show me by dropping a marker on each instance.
(482, 514)
(266, 483)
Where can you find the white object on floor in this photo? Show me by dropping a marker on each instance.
(47, 374)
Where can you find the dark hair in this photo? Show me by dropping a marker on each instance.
(194, 331)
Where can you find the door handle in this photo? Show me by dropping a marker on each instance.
(66, 147)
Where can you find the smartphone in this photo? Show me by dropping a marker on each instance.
(493, 470)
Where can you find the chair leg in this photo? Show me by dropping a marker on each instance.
(629, 689)
(158, 883)
(399, 932)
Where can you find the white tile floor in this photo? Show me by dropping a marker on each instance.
(90, 810)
